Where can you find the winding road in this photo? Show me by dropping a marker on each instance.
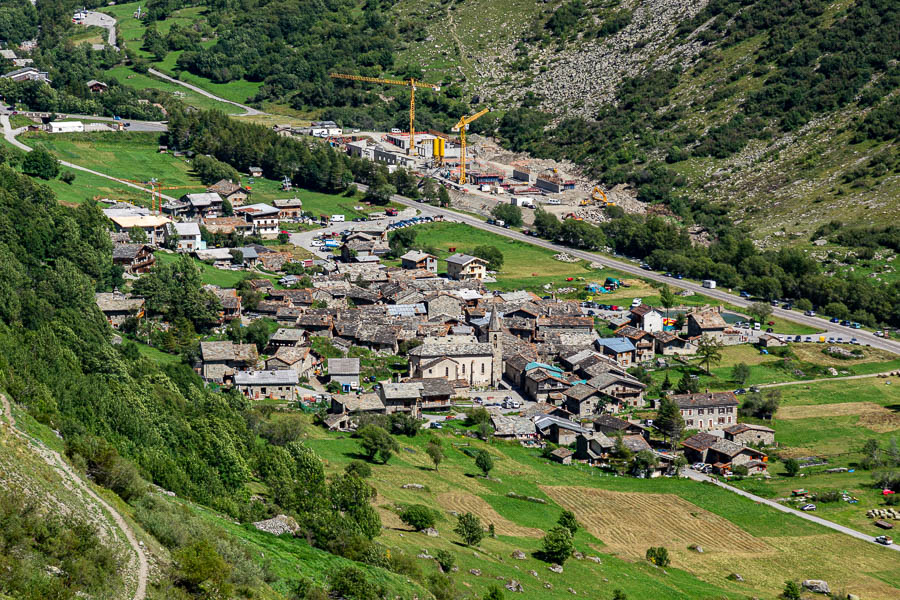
(248, 111)
(53, 458)
(697, 476)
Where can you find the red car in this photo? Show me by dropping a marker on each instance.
(570, 279)
(887, 492)
(770, 323)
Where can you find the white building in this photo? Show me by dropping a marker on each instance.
(66, 127)
(263, 217)
(187, 237)
(324, 129)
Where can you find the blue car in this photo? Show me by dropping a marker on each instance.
(835, 320)
(745, 294)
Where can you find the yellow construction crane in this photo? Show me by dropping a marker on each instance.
(461, 128)
(412, 84)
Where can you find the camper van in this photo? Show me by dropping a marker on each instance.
(709, 284)
(337, 218)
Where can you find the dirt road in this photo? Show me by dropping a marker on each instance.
(56, 461)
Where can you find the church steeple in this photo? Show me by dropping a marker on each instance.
(494, 323)
(495, 329)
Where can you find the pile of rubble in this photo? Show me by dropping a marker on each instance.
(278, 525)
(564, 257)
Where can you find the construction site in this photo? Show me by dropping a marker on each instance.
(478, 173)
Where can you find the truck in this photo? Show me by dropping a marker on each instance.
(709, 284)
(391, 212)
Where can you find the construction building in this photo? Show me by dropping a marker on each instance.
(554, 183)
(522, 174)
(485, 178)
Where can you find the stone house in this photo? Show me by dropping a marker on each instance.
(643, 341)
(473, 362)
(419, 260)
(582, 400)
(770, 341)
(133, 258)
(221, 360)
(562, 456)
(543, 383)
(706, 322)
(669, 344)
(465, 267)
(285, 337)
(257, 385)
(344, 371)
(558, 430)
(610, 426)
(722, 454)
(706, 411)
(621, 388)
(117, 307)
(443, 304)
(619, 349)
(748, 433)
(296, 358)
(593, 447)
(290, 208)
(235, 193)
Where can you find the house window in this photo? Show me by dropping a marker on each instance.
(446, 371)
(464, 369)
(263, 390)
(729, 419)
(699, 411)
(482, 368)
(429, 371)
(690, 423)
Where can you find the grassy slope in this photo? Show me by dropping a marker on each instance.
(132, 31)
(211, 275)
(799, 548)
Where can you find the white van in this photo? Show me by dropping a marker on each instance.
(395, 130)
(553, 201)
(337, 218)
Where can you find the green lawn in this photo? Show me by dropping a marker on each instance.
(525, 266)
(127, 76)
(213, 276)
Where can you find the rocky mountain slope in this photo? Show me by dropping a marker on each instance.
(765, 117)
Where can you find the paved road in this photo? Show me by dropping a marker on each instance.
(633, 268)
(697, 476)
(10, 134)
(157, 126)
(105, 21)
(304, 238)
(248, 111)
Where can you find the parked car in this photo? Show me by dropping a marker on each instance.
(436, 425)
(810, 313)
(835, 320)
(697, 466)
(884, 539)
(740, 391)
(808, 507)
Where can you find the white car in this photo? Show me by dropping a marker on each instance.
(636, 302)
(316, 243)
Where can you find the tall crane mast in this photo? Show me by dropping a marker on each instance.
(412, 84)
(461, 128)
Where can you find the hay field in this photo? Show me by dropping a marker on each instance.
(630, 522)
(461, 502)
(871, 415)
(812, 353)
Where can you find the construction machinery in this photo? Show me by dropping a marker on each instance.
(461, 127)
(412, 84)
(156, 188)
(598, 197)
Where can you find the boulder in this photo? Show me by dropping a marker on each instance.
(413, 486)
(852, 597)
(735, 577)
(571, 591)
(548, 585)
(424, 555)
(595, 559)
(514, 586)
(533, 572)
(578, 555)
(817, 586)
(475, 572)
(518, 555)
(556, 568)
(697, 549)
(431, 532)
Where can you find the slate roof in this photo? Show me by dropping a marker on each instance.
(400, 391)
(343, 366)
(612, 422)
(291, 354)
(635, 443)
(226, 187)
(463, 259)
(288, 203)
(126, 251)
(416, 256)
(580, 391)
(729, 448)
(542, 422)
(742, 427)
(700, 441)
(435, 349)
(562, 453)
(204, 199)
(279, 377)
(708, 319)
(704, 400)
(632, 333)
(112, 301)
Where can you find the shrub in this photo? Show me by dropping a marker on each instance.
(445, 559)
(40, 163)
(740, 470)
(659, 556)
(358, 468)
(791, 591)
(418, 517)
(567, 520)
(557, 545)
(351, 582)
(792, 467)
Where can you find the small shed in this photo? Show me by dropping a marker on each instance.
(562, 456)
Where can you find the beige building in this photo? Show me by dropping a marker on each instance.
(707, 411)
(463, 267)
(296, 358)
(479, 364)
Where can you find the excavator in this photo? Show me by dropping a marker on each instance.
(597, 197)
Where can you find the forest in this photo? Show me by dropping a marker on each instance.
(126, 419)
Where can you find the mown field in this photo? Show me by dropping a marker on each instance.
(736, 535)
(832, 420)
